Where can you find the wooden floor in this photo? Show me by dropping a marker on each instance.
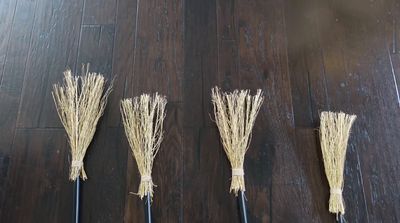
(307, 55)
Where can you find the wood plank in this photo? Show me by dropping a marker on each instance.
(391, 23)
(227, 19)
(228, 53)
(343, 96)
(11, 84)
(158, 63)
(14, 70)
(168, 169)
(201, 55)
(307, 184)
(122, 65)
(38, 179)
(7, 12)
(205, 161)
(303, 192)
(96, 48)
(295, 196)
(370, 70)
(167, 175)
(306, 66)
(263, 64)
(105, 163)
(228, 66)
(201, 61)
(100, 12)
(54, 48)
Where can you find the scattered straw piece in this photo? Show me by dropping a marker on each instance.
(143, 119)
(235, 114)
(334, 134)
(80, 102)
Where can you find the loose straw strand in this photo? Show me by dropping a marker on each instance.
(80, 102)
(143, 119)
(235, 114)
(334, 133)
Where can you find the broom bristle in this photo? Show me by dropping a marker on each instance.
(80, 102)
(143, 119)
(235, 114)
(334, 133)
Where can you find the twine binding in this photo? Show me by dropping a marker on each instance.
(145, 178)
(237, 172)
(77, 163)
(337, 191)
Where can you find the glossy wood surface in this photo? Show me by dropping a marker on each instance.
(307, 55)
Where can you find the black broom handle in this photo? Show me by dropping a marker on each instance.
(242, 207)
(340, 219)
(147, 208)
(77, 190)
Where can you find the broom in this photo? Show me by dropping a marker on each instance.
(334, 134)
(235, 114)
(80, 102)
(143, 119)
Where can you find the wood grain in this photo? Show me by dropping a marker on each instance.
(38, 175)
(307, 55)
(11, 81)
(54, 47)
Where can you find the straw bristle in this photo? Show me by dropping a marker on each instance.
(143, 119)
(235, 114)
(334, 133)
(80, 102)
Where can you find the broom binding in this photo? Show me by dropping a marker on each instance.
(237, 172)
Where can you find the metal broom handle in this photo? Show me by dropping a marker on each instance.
(147, 208)
(242, 207)
(77, 188)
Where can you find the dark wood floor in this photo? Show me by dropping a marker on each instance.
(307, 55)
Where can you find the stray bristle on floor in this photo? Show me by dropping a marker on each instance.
(80, 102)
(334, 135)
(235, 114)
(143, 119)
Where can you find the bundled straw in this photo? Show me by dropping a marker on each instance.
(143, 119)
(334, 133)
(235, 114)
(80, 102)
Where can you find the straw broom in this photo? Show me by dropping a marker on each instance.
(80, 102)
(334, 135)
(235, 114)
(143, 119)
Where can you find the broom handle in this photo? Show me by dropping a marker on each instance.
(340, 219)
(242, 207)
(147, 207)
(77, 189)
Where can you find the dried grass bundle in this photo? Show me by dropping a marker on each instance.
(143, 119)
(235, 114)
(334, 134)
(80, 102)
